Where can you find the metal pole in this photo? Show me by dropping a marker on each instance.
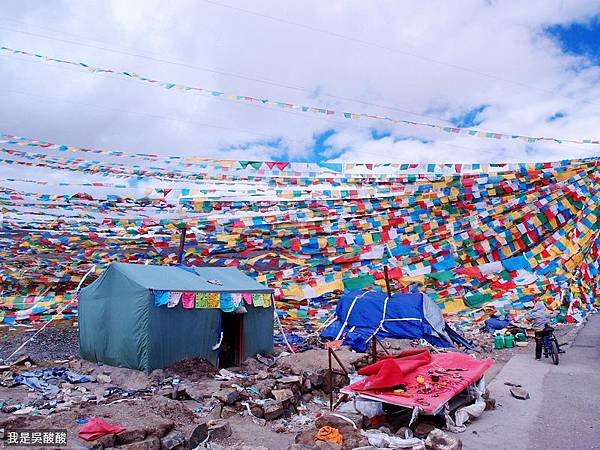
(374, 350)
(330, 380)
(181, 245)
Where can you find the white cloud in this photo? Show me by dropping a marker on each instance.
(530, 79)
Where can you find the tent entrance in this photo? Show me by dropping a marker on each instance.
(231, 352)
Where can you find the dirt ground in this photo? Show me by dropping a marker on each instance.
(140, 402)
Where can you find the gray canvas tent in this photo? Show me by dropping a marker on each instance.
(121, 325)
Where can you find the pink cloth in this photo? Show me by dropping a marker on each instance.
(188, 299)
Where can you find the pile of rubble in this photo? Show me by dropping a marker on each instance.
(192, 404)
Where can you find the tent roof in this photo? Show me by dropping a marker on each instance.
(174, 278)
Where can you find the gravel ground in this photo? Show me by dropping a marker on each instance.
(56, 342)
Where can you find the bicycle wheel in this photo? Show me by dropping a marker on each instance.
(554, 352)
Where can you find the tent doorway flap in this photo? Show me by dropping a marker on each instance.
(231, 351)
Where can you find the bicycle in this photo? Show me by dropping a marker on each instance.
(551, 345)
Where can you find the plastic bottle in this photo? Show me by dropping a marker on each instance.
(509, 341)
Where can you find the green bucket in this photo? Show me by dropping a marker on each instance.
(509, 341)
(498, 342)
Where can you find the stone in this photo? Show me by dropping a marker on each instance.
(103, 379)
(519, 393)
(254, 447)
(23, 360)
(152, 443)
(173, 439)
(423, 429)
(307, 397)
(337, 422)
(282, 395)
(438, 440)
(327, 445)
(129, 436)
(316, 380)
(289, 379)
(490, 403)
(227, 395)
(262, 375)
(219, 429)
(105, 441)
(198, 435)
(227, 412)
(296, 446)
(272, 410)
(159, 428)
(257, 411)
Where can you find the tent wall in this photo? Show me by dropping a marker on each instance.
(177, 333)
(113, 321)
(258, 331)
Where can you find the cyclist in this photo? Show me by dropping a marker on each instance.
(540, 318)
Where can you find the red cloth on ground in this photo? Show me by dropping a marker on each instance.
(393, 370)
(96, 428)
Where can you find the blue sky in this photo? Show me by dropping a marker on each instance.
(581, 39)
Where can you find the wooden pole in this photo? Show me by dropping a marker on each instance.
(387, 281)
(181, 245)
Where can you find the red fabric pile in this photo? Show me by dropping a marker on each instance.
(393, 371)
(96, 428)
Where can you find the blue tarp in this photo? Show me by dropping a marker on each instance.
(359, 316)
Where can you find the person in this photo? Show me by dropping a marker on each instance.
(540, 318)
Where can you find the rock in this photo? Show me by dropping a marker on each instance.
(219, 429)
(327, 445)
(299, 447)
(519, 393)
(423, 429)
(128, 436)
(289, 379)
(159, 428)
(227, 412)
(405, 433)
(337, 422)
(253, 447)
(368, 447)
(76, 365)
(198, 435)
(152, 443)
(172, 440)
(262, 375)
(279, 428)
(23, 360)
(272, 410)
(490, 403)
(282, 395)
(257, 411)
(103, 379)
(438, 440)
(307, 397)
(105, 441)
(228, 395)
(316, 380)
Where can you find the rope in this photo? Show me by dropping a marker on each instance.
(281, 328)
(59, 312)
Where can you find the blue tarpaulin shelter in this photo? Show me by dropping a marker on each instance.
(360, 315)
